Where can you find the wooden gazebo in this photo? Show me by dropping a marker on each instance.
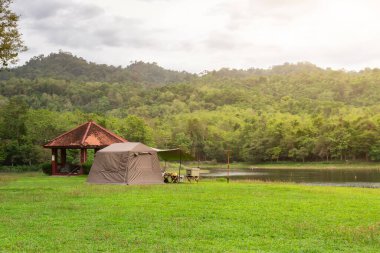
(86, 136)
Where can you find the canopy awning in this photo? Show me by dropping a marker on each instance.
(175, 154)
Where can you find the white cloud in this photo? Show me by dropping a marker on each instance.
(197, 35)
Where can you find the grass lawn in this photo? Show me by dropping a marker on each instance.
(64, 214)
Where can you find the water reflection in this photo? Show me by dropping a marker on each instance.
(337, 177)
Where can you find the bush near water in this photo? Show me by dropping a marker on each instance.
(22, 168)
(44, 167)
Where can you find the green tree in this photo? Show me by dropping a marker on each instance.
(375, 152)
(274, 153)
(13, 130)
(197, 134)
(322, 147)
(11, 43)
(135, 129)
(13, 121)
(182, 141)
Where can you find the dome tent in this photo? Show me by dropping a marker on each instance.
(126, 163)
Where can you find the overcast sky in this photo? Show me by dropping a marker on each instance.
(197, 35)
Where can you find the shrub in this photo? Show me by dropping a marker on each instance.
(87, 167)
(46, 168)
(20, 168)
(211, 162)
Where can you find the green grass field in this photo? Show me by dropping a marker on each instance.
(65, 214)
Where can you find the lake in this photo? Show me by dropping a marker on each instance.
(335, 177)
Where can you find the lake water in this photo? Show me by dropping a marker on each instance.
(335, 177)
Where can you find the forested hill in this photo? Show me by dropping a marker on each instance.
(288, 112)
(66, 66)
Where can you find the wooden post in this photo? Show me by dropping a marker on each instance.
(54, 154)
(83, 155)
(63, 157)
(83, 159)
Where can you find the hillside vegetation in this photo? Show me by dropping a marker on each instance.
(65, 66)
(296, 112)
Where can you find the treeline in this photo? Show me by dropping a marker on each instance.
(65, 66)
(23, 131)
(293, 112)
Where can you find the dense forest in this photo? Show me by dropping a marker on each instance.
(292, 112)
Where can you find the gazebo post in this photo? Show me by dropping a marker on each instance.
(83, 155)
(83, 158)
(54, 154)
(63, 157)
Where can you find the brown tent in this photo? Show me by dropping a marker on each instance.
(126, 163)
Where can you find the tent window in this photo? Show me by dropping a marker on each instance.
(145, 161)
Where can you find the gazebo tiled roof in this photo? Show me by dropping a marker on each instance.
(87, 135)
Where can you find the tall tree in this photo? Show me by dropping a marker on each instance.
(12, 123)
(11, 43)
(13, 131)
(135, 129)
